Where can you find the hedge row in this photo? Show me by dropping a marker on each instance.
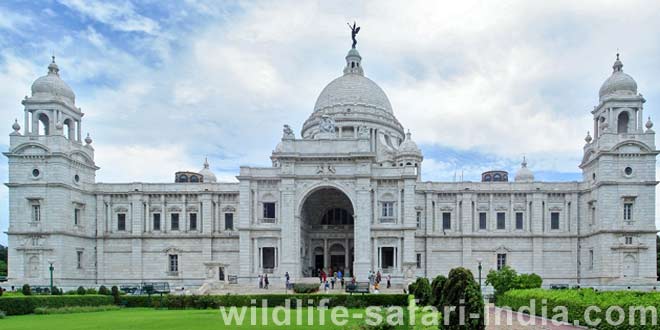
(577, 302)
(209, 301)
(26, 305)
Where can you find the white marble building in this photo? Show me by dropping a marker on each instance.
(346, 194)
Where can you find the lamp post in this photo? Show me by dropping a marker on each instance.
(480, 268)
(51, 268)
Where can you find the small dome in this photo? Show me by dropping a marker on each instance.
(619, 83)
(207, 173)
(524, 174)
(409, 146)
(51, 86)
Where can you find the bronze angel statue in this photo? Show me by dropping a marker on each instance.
(354, 31)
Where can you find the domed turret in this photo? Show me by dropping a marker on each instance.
(524, 174)
(619, 83)
(207, 173)
(409, 147)
(52, 87)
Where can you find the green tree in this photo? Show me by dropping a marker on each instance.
(462, 291)
(27, 291)
(422, 291)
(657, 240)
(3, 260)
(502, 280)
(436, 289)
(3, 268)
(528, 281)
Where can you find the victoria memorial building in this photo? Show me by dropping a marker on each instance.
(346, 193)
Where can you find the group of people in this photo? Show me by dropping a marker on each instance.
(263, 281)
(376, 278)
(337, 277)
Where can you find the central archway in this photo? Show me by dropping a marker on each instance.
(326, 232)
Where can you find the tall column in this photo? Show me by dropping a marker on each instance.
(247, 249)
(408, 260)
(290, 229)
(362, 235)
(347, 254)
(136, 242)
(537, 231)
(206, 226)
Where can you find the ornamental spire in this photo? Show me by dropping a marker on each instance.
(618, 65)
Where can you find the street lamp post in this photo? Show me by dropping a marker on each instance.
(480, 268)
(51, 268)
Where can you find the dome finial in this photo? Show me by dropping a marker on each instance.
(588, 138)
(88, 139)
(354, 31)
(16, 127)
(524, 162)
(206, 162)
(618, 65)
(52, 67)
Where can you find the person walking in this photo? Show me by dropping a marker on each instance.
(288, 278)
(266, 281)
(261, 282)
(389, 281)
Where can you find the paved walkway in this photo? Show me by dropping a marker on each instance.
(521, 321)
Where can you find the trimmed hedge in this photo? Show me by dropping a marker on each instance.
(306, 287)
(26, 305)
(577, 301)
(208, 301)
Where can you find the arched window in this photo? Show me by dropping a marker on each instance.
(497, 177)
(69, 129)
(337, 216)
(194, 178)
(487, 178)
(623, 122)
(183, 178)
(43, 125)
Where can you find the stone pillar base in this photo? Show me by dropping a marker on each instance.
(361, 271)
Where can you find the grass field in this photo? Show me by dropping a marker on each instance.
(143, 318)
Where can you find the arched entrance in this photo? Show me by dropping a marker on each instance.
(327, 225)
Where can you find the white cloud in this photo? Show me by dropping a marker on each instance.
(120, 15)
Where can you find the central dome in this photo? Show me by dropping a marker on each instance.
(619, 83)
(354, 100)
(51, 86)
(353, 89)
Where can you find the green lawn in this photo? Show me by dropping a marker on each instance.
(143, 318)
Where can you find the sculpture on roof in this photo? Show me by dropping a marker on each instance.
(354, 31)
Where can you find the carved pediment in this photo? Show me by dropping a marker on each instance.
(174, 209)
(482, 208)
(228, 209)
(121, 209)
(519, 207)
(172, 250)
(446, 208)
(501, 208)
(555, 208)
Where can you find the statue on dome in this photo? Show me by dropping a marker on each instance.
(287, 132)
(354, 31)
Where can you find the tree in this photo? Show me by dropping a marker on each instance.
(657, 240)
(502, 280)
(115, 294)
(423, 291)
(81, 291)
(104, 291)
(3, 260)
(27, 291)
(3, 268)
(462, 291)
(436, 289)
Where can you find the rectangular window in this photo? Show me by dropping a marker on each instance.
(519, 221)
(591, 259)
(419, 220)
(629, 240)
(36, 212)
(156, 219)
(627, 211)
(174, 221)
(229, 221)
(501, 220)
(268, 257)
(121, 221)
(483, 224)
(76, 217)
(593, 215)
(501, 260)
(446, 221)
(269, 210)
(174, 263)
(419, 260)
(387, 210)
(193, 221)
(79, 255)
(554, 220)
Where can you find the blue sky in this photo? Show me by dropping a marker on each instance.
(479, 84)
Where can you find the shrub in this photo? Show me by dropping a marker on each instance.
(1, 291)
(528, 281)
(215, 301)
(81, 291)
(20, 305)
(2, 315)
(104, 291)
(74, 309)
(507, 279)
(305, 288)
(26, 290)
(578, 301)
(91, 291)
(461, 290)
(115, 294)
(436, 289)
(423, 291)
(56, 291)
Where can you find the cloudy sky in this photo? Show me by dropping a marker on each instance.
(480, 84)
